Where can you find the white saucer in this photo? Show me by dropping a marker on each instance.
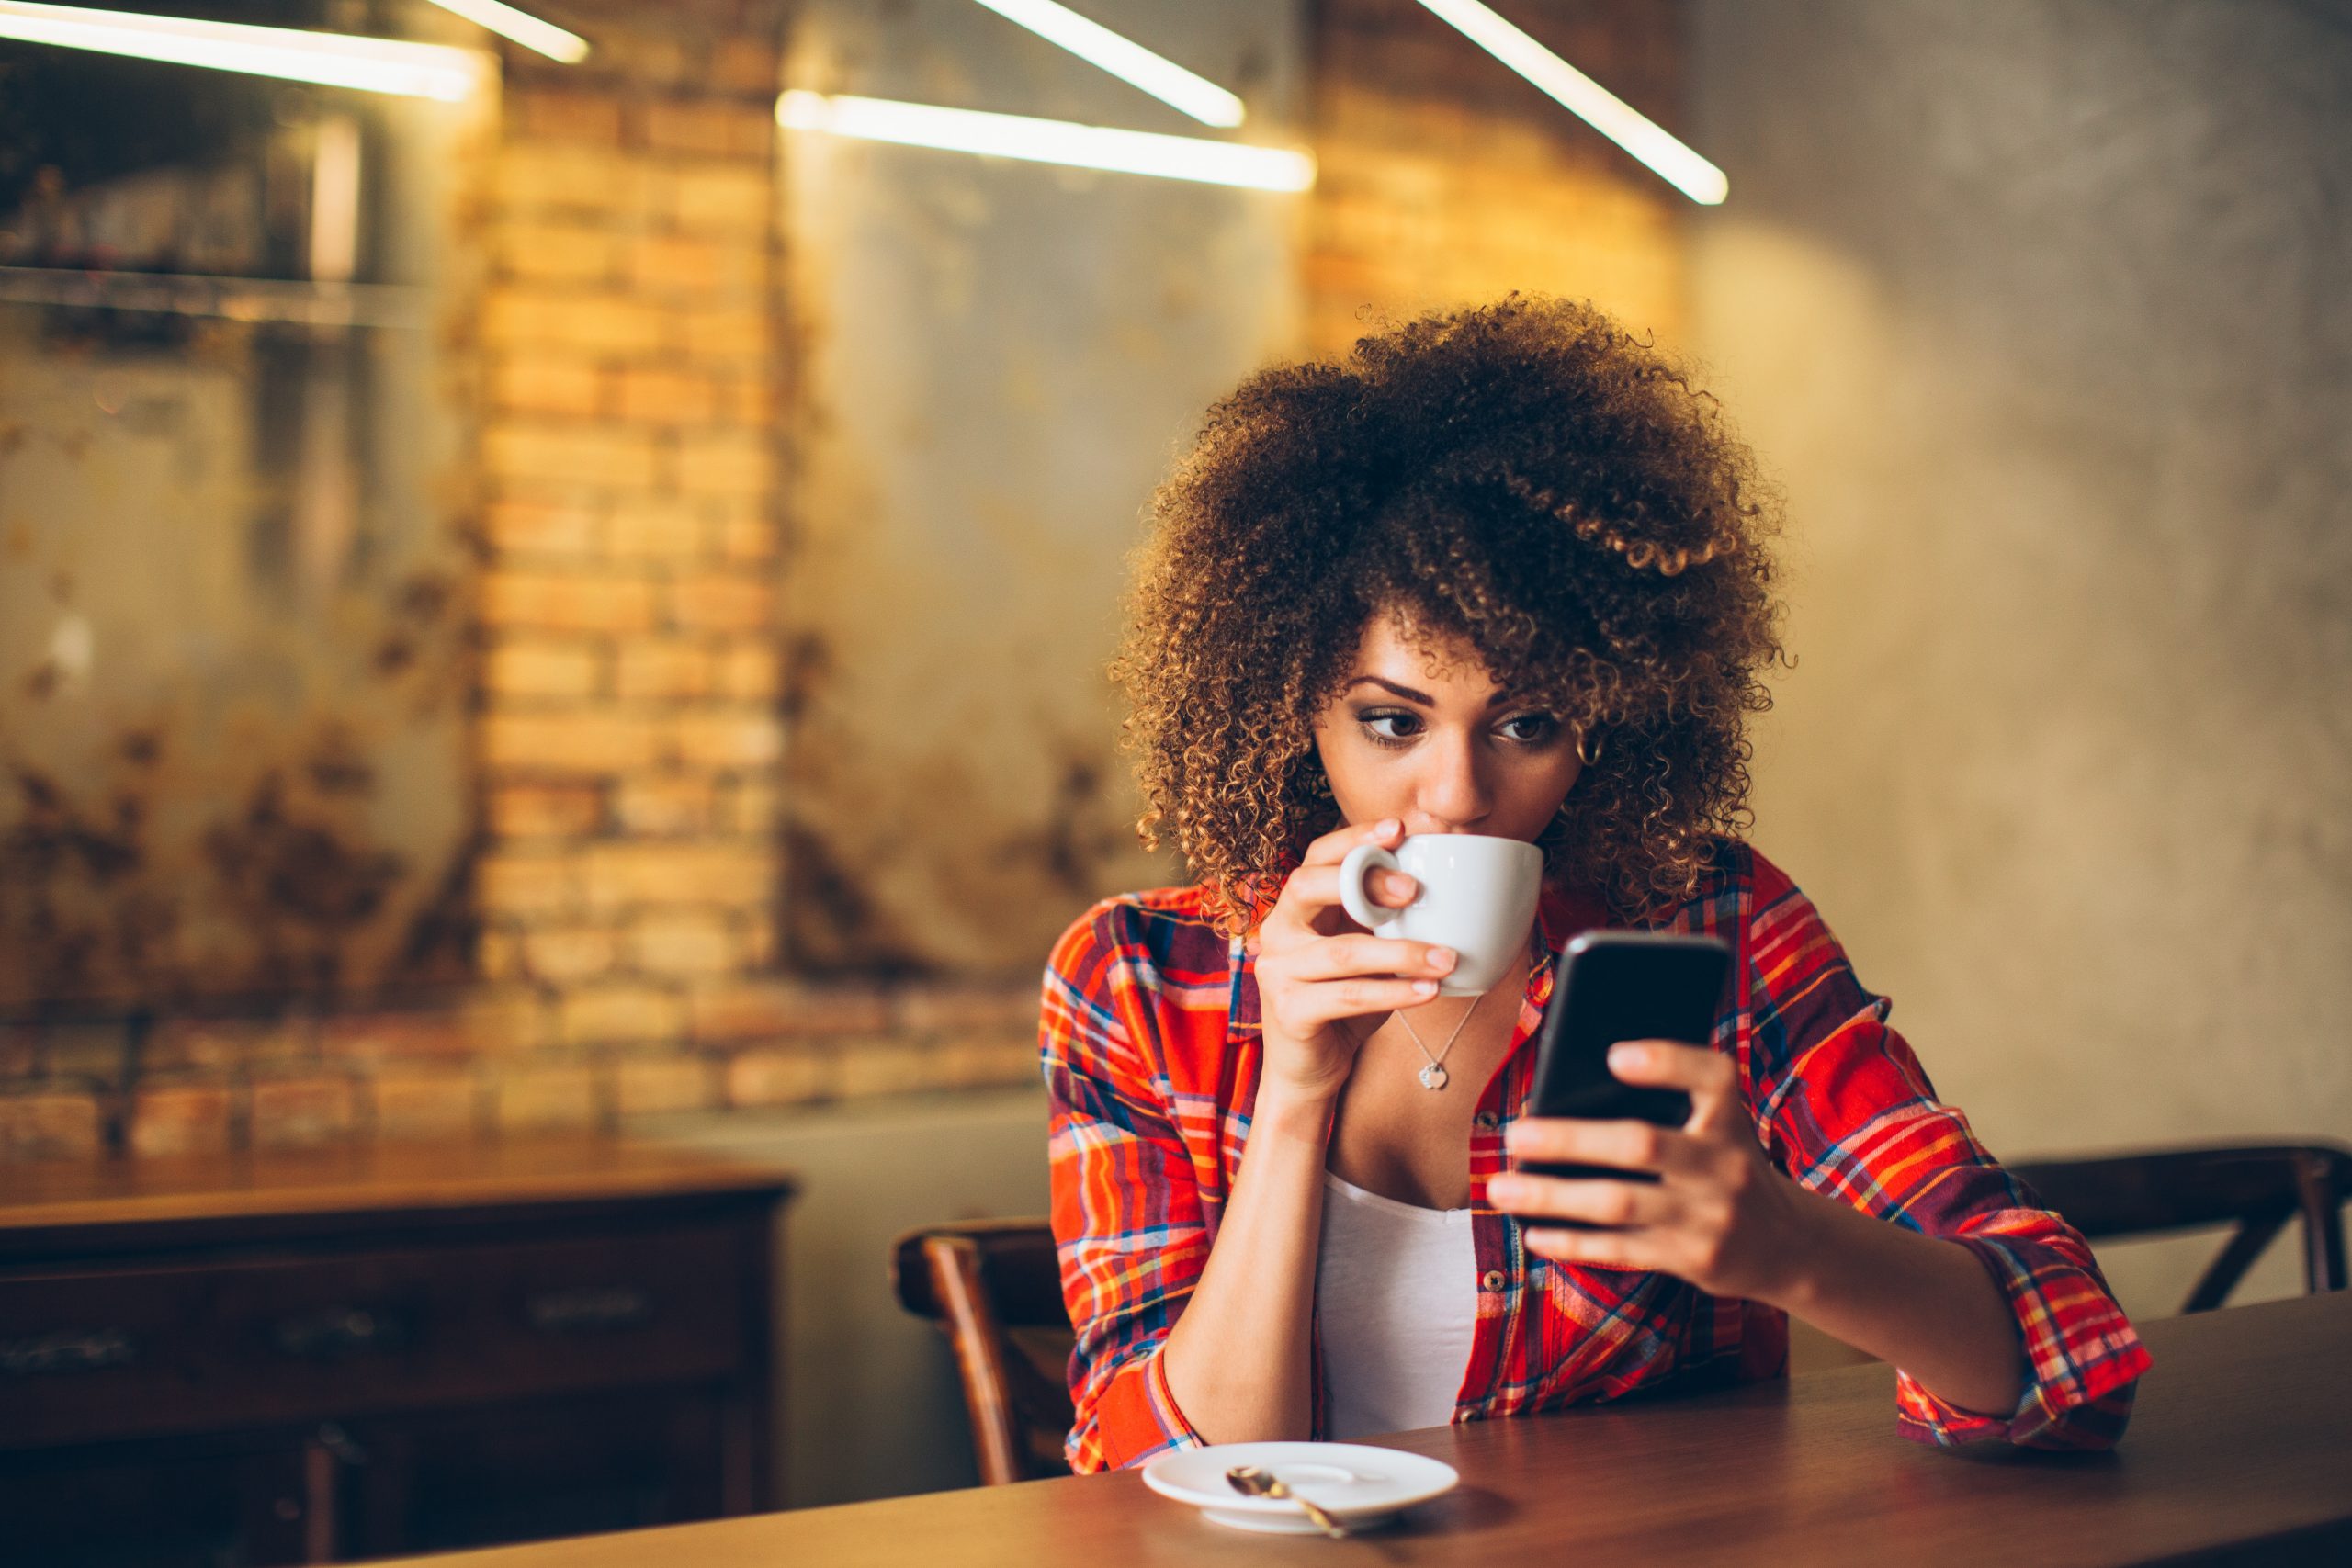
(1356, 1484)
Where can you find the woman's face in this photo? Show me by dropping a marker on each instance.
(1424, 735)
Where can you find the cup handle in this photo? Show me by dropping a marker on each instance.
(1360, 907)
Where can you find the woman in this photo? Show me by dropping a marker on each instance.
(1500, 572)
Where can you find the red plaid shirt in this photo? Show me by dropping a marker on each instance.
(1149, 1034)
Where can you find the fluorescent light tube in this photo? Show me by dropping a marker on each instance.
(334, 199)
(333, 60)
(1588, 99)
(1047, 140)
(1123, 58)
(522, 27)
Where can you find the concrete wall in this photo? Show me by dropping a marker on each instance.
(872, 1406)
(2037, 312)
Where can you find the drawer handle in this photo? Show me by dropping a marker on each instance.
(67, 1350)
(590, 1309)
(338, 1333)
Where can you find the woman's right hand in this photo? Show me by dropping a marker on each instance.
(1317, 967)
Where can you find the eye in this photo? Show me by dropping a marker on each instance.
(1390, 726)
(1531, 728)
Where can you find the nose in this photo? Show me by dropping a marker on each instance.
(1451, 796)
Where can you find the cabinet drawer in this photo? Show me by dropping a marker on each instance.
(116, 1352)
(180, 1502)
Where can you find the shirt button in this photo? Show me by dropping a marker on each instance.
(1487, 1120)
(1492, 1280)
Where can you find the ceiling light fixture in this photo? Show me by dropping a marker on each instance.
(333, 60)
(1047, 140)
(522, 27)
(1588, 99)
(1123, 58)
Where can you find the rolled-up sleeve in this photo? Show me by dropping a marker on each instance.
(1845, 1109)
(2084, 1359)
(1126, 1210)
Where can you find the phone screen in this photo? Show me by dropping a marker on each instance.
(1613, 986)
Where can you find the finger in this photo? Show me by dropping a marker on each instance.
(1617, 1204)
(1338, 957)
(1326, 1001)
(1309, 891)
(1312, 889)
(1671, 1065)
(1592, 1249)
(1710, 1077)
(1625, 1145)
(1333, 847)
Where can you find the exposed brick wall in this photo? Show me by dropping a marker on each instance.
(628, 731)
(632, 367)
(1444, 177)
(630, 370)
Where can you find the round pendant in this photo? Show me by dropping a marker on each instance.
(1433, 1076)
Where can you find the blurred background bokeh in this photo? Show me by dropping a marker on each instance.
(569, 605)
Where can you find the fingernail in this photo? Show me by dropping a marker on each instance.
(1503, 1189)
(1387, 825)
(1623, 1056)
(1425, 988)
(1442, 959)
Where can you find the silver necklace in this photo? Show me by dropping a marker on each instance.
(1433, 1075)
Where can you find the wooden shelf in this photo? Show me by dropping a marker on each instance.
(400, 307)
(365, 1177)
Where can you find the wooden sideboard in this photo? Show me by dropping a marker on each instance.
(335, 1355)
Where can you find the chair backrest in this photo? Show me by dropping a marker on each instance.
(994, 1287)
(2257, 1188)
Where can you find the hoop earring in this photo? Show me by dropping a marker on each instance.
(1588, 746)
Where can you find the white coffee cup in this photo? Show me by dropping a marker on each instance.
(1478, 896)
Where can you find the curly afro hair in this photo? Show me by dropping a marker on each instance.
(1524, 478)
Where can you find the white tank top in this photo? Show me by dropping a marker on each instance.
(1397, 1302)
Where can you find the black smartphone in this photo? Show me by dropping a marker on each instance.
(1613, 986)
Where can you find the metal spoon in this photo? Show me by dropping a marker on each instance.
(1260, 1483)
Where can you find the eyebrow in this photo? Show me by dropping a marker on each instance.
(1410, 695)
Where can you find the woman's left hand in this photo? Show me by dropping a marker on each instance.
(1719, 1216)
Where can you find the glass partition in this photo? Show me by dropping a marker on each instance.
(997, 361)
(232, 749)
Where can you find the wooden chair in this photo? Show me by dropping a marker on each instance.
(2257, 1188)
(994, 1287)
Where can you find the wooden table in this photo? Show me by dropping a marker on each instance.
(2241, 1451)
